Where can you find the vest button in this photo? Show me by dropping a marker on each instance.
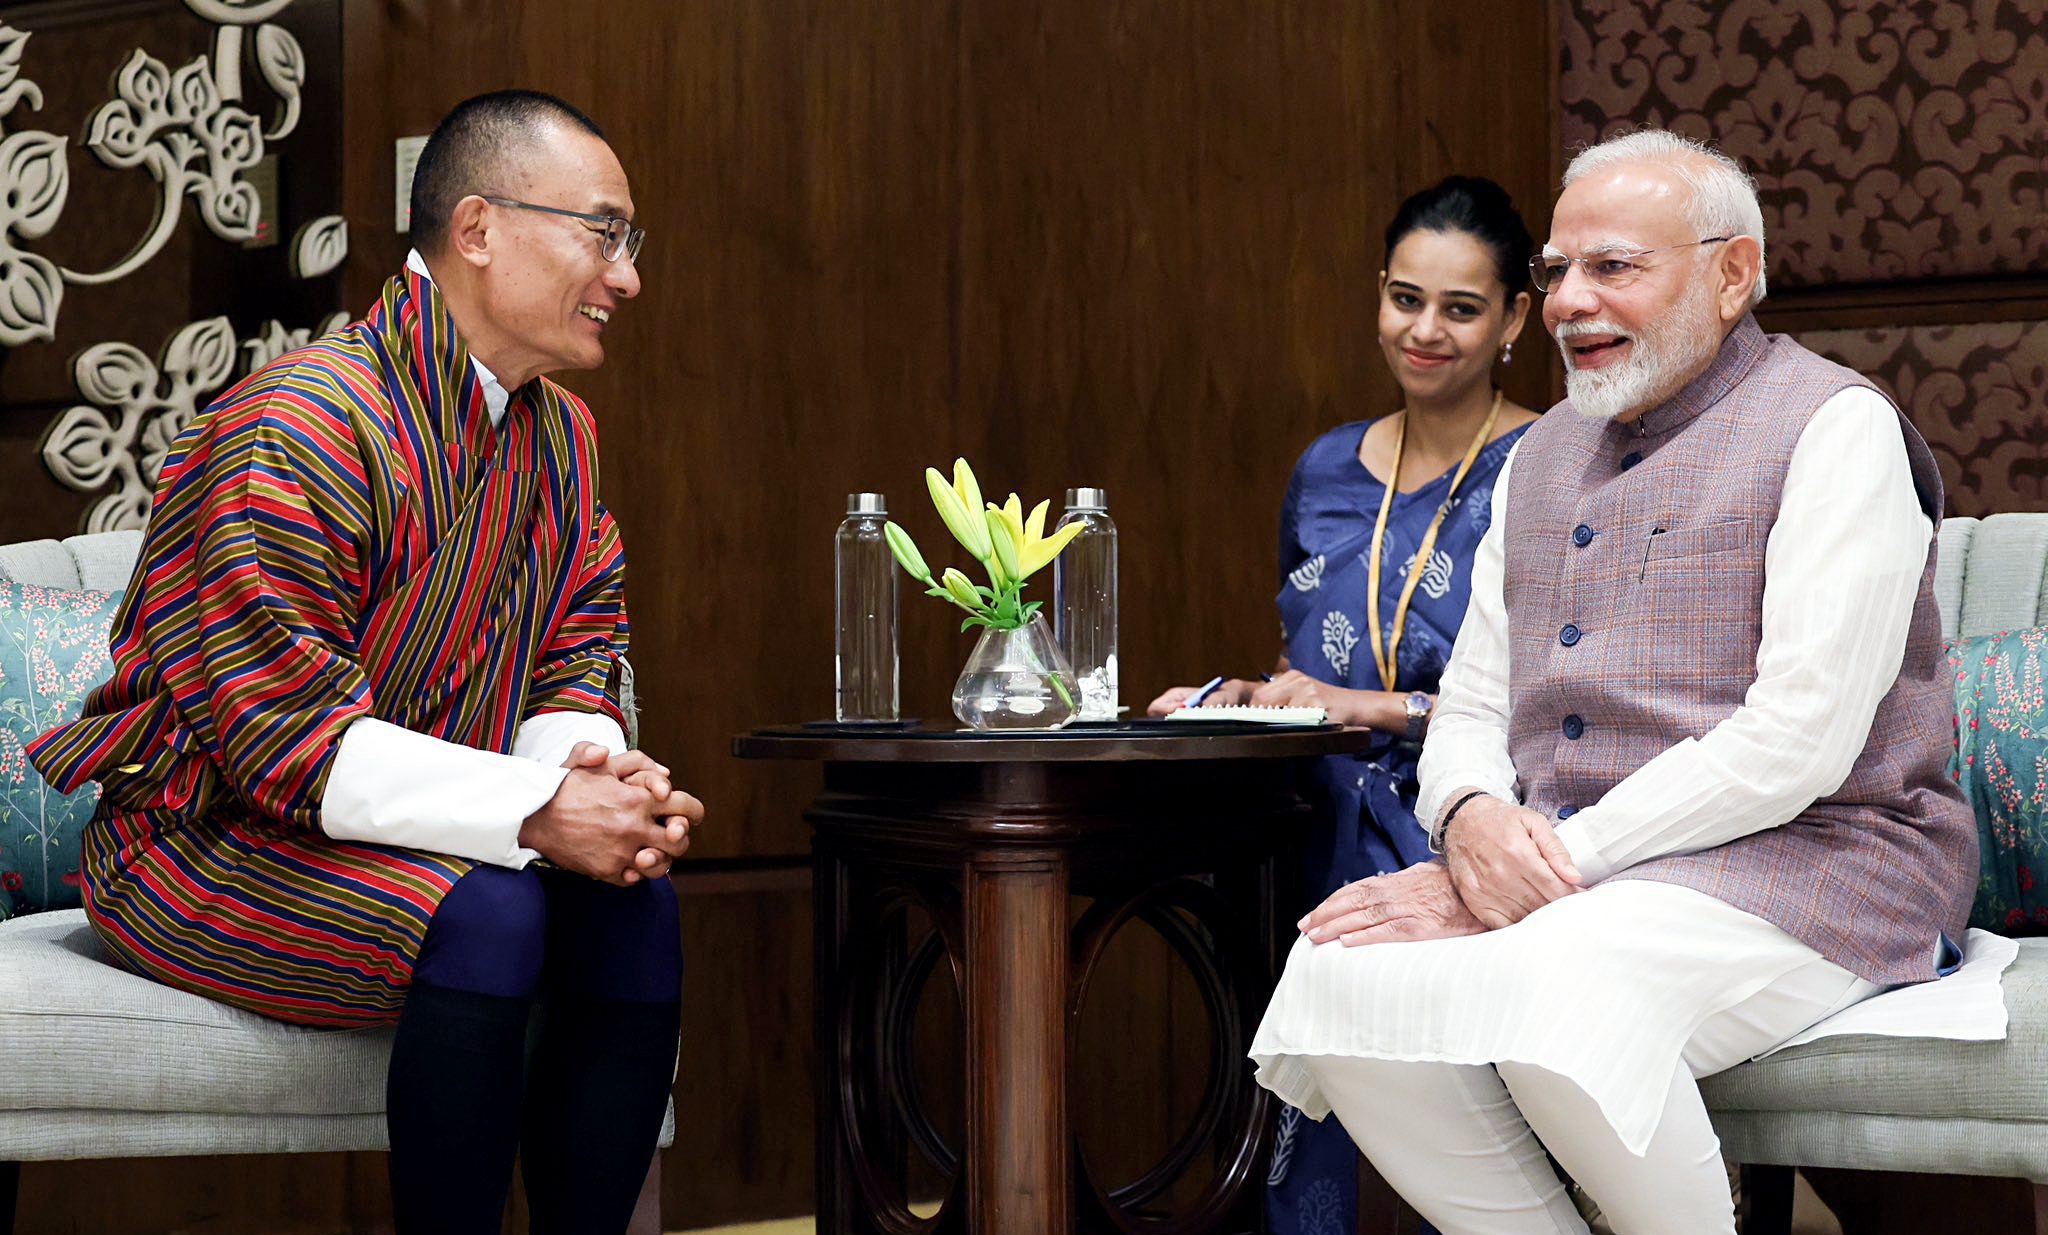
(1570, 635)
(1582, 535)
(1574, 728)
(1566, 812)
(1630, 459)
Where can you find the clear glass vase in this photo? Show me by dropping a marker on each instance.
(1016, 679)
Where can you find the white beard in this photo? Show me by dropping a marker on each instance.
(1663, 353)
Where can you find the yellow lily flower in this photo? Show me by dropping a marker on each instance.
(1034, 547)
(1043, 549)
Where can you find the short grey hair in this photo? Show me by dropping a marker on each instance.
(1724, 200)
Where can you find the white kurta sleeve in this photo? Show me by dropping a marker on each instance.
(549, 737)
(1467, 743)
(1841, 573)
(391, 786)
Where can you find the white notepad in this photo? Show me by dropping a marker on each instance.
(1248, 712)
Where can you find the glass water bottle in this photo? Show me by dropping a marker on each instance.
(864, 660)
(1084, 608)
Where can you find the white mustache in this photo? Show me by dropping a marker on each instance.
(1572, 330)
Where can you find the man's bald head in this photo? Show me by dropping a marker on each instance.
(473, 147)
(1723, 199)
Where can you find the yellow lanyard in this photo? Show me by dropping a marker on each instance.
(1384, 659)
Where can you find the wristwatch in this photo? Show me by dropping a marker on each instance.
(1417, 706)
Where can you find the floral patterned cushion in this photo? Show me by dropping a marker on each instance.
(53, 651)
(2001, 763)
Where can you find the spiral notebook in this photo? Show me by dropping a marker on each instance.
(1240, 713)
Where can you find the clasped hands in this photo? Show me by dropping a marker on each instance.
(615, 818)
(1502, 862)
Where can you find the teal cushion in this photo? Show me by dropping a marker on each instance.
(53, 652)
(2001, 764)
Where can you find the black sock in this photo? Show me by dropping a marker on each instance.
(452, 1101)
(599, 1084)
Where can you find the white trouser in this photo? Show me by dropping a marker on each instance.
(1461, 1142)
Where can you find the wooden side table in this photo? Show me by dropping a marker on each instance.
(1192, 830)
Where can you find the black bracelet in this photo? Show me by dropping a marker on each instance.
(1443, 830)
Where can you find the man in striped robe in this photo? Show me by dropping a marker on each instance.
(368, 671)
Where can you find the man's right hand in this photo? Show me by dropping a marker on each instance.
(1506, 861)
(598, 825)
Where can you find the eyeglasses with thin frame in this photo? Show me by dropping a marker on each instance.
(620, 237)
(1610, 270)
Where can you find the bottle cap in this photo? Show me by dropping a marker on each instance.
(866, 504)
(1087, 499)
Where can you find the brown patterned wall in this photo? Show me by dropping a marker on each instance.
(1893, 140)
(1976, 392)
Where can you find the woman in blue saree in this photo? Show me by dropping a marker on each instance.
(1380, 525)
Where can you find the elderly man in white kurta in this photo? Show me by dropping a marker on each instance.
(1687, 771)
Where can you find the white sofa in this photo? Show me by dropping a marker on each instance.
(101, 1063)
(1903, 1104)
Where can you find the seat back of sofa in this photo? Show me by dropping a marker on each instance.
(98, 561)
(1992, 574)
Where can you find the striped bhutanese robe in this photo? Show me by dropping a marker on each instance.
(344, 534)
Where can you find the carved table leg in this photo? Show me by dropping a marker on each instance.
(1019, 1173)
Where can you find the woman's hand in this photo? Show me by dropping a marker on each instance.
(1233, 691)
(1370, 709)
(1295, 689)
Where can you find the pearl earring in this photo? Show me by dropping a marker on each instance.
(1507, 353)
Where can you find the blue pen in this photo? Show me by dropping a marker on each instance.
(1203, 692)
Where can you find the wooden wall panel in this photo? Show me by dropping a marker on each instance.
(1131, 244)
(1169, 253)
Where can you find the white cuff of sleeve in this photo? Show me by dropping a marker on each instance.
(1585, 855)
(549, 737)
(392, 786)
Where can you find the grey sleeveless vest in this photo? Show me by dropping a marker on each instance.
(1659, 643)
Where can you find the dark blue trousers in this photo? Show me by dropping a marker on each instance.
(541, 1026)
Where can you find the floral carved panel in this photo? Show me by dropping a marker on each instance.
(167, 177)
(1977, 393)
(1893, 139)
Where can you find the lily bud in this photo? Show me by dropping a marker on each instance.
(906, 552)
(961, 588)
(965, 487)
(1005, 543)
(967, 527)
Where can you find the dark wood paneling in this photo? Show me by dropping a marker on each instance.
(1170, 243)
(1132, 245)
(297, 1194)
(1128, 245)
(743, 1087)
